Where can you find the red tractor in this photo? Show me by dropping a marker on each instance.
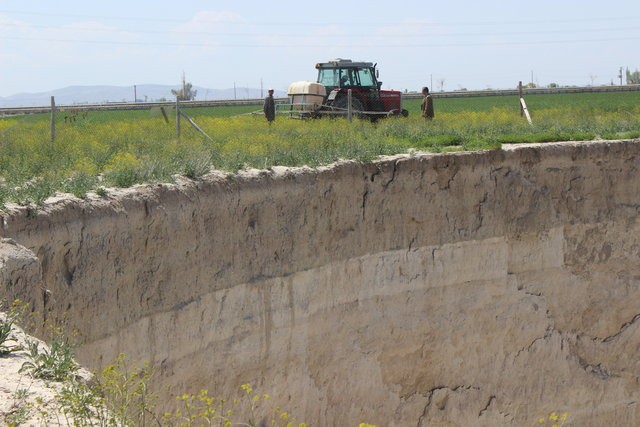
(367, 99)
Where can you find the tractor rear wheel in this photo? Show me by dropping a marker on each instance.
(342, 104)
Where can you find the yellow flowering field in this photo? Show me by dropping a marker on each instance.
(107, 149)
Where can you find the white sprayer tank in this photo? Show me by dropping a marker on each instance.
(306, 96)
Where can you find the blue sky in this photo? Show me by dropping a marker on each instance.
(449, 45)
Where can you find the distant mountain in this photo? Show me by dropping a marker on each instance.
(74, 95)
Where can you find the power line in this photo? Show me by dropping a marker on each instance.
(350, 23)
(267, 45)
(301, 36)
(65, 15)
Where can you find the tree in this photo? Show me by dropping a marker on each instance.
(186, 93)
(633, 78)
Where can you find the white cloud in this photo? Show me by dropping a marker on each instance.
(207, 21)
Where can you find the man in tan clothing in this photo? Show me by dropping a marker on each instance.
(427, 104)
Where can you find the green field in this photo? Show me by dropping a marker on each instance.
(121, 148)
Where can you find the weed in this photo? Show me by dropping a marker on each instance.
(554, 419)
(117, 397)
(55, 363)
(17, 415)
(79, 184)
(6, 335)
(32, 211)
(124, 170)
(196, 166)
(39, 189)
(6, 194)
(82, 404)
(125, 390)
(202, 409)
(102, 192)
(20, 409)
(7, 322)
(21, 393)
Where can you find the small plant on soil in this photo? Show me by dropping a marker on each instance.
(8, 343)
(17, 416)
(20, 409)
(55, 364)
(81, 405)
(118, 396)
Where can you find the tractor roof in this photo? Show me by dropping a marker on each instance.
(344, 63)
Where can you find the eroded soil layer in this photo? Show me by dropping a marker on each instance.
(479, 288)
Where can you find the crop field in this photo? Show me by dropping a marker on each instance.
(105, 149)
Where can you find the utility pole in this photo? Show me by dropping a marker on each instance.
(620, 76)
(135, 96)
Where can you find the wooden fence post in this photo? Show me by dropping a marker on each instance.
(523, 105)
(164, 114)
(520, 97)
(53, 119)
(196, 127)
(349, 106)
(178, 117)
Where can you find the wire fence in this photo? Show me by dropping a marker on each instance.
(76, 150)
(172, 114)
(174, 119)
(163, 120)
(80, 149)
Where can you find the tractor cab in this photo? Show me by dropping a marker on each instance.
(344, 73)
(341, 75)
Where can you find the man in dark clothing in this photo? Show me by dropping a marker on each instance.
(270, 107)
(427, 104)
